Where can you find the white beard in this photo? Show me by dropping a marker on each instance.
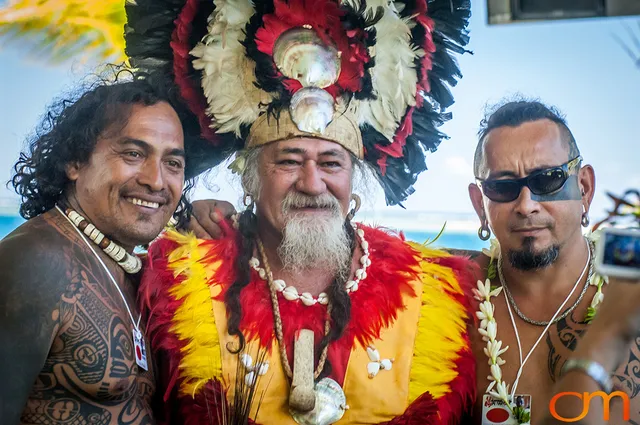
(315, 240)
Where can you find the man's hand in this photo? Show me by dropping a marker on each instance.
(207, 216)
(615, 326)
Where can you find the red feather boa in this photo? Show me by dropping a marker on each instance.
(375, 306)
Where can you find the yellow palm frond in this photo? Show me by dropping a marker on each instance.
(57, 30)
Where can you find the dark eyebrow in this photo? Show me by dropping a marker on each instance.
(500, 174)
(333, 153)
(297, 151)
(146, 147)
(177, 152)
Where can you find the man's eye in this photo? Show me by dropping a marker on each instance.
(288, 162)
(331, 164)
(174, 164)
(133, 154)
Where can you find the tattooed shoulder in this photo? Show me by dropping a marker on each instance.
(33, 277)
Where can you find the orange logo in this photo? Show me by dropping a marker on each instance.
(586, 400)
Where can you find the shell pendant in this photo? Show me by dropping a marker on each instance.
(330, 406)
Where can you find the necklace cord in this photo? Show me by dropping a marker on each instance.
(278, 322)
(546, 329)
(136, 325)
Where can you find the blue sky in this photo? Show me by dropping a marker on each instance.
(576, 65)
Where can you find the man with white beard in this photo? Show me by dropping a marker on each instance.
(367, 326)
(298, 314)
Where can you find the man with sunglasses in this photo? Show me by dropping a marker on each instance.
(533, 192)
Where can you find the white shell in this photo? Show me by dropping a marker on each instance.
(323, 299)
(263, 368)
(354, 288)
(329, 406)
(290, 293)
(364, 259)
(364, 275)
(365, 245)
(373, 368)
(360, 233)
(262, 273)
(360, 273)
(374, 355)
(368, 263)
(312, 109)
(307, 299)
(350, 283)
(254, 262)
(386, 364)
(300, 53)
(279, 285)
(250, 378)
(247, 361)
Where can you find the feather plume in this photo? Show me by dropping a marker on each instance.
(394, 78)
(60, 29)
(234, 101)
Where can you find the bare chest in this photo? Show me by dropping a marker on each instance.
(91, 371)
(541, 354)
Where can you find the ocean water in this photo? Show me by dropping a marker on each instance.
(8, 223)
(459, 240)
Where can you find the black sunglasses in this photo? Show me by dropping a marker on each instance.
(541, 182)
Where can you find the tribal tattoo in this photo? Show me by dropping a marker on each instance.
(90, 376)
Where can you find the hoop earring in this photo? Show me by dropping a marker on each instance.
(484, 233)
(248, 202)
(585, 219)
(352, 213)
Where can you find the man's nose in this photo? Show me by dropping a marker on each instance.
(150, 175)
(310, 181)
(524, 204)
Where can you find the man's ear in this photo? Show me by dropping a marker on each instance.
(587, 183)
(475, 194)
(72, 169)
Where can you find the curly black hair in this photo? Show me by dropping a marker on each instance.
(69, 132)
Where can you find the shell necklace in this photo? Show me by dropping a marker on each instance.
(290, 293)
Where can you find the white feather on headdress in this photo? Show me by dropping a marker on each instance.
(394, 77)
(228, 74)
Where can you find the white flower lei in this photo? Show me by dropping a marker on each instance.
(489, 331)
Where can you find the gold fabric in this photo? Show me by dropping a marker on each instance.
(370, 400)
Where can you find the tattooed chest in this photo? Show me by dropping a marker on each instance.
(93, 353)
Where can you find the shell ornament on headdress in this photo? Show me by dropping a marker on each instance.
(371, 76)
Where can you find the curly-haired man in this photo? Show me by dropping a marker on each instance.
(104, 174)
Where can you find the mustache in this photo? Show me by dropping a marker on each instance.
(162, 194)
(298, 200)
(525, 224)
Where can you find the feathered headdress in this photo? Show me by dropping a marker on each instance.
(371, 76)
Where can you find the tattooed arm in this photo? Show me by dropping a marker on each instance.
(31, 283)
